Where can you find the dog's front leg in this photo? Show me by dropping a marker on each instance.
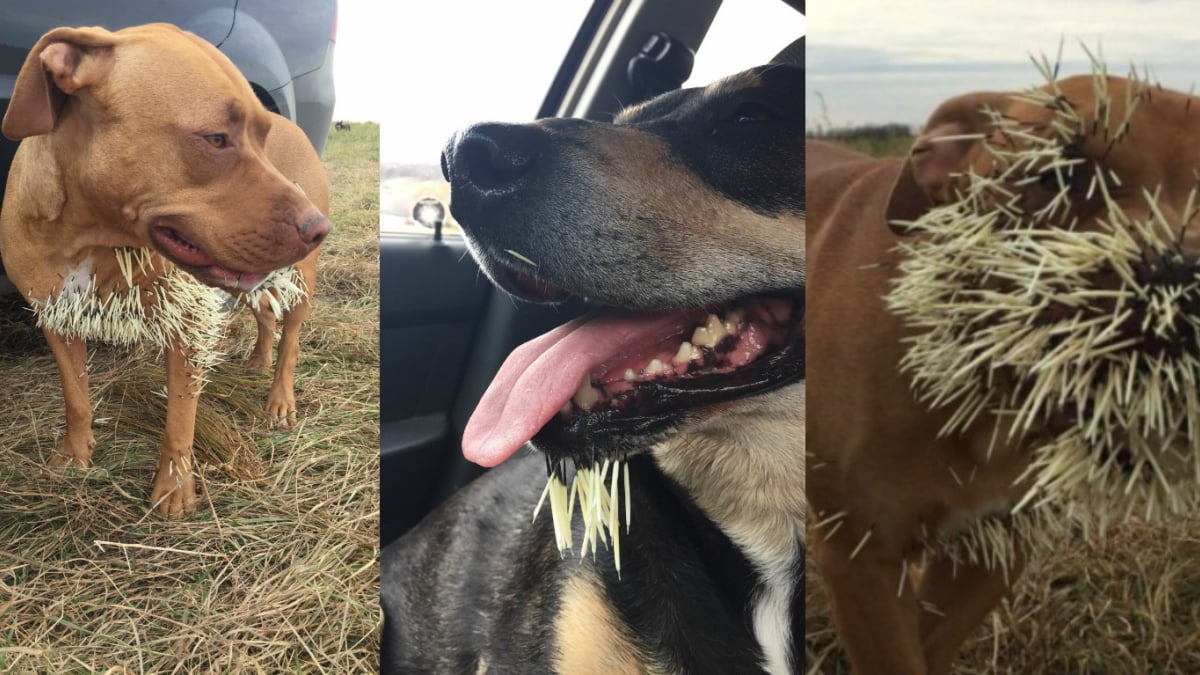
(956, 599)
(281, 402)
(877, 625)
(78, 443)
(174, 490)
(264, 316)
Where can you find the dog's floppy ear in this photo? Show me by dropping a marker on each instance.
(62, 62)
(926, 179)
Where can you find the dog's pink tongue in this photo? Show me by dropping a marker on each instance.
(544, 373)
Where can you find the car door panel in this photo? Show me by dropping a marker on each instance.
(434, 296)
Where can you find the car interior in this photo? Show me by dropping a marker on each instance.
(444, 329)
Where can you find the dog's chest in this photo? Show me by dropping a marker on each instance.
(129, 296)
(772, 614)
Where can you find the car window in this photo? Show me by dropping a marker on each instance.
(745, 33)
(457, 72)
(475, 72)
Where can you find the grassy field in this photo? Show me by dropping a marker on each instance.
(277, 571)
(1127, 604)
(877, 140)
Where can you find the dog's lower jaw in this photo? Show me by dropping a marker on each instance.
(757, 501)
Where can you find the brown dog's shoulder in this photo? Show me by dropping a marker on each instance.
(36, 192)
(292, 153)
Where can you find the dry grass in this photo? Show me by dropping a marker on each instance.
(1127, 603)
(277, 571)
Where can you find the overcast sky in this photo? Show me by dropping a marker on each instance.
(425, 68)
(876, 61)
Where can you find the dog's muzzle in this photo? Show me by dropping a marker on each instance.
(490, 163)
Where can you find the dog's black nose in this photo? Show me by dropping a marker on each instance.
(491, 159)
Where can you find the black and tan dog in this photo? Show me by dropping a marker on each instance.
(685, 219)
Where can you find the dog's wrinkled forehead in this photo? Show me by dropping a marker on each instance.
(741, 135)
(199, 83)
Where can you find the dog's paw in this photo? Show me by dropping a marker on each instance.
(76, 453)
(281, 408)
(174, 493)
(287, 422)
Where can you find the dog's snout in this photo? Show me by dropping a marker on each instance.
(313, 229)
(492, 158)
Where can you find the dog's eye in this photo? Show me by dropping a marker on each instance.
(217, 140)
(749, 112)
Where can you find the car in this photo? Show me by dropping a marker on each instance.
(444, 329)
(285, 50)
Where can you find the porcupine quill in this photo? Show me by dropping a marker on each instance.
(173, 310)
(596, 489)
(1100, 328)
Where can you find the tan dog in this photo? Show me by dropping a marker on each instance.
(150, 137)
(886, 489)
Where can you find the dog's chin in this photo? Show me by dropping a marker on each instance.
(189, 256)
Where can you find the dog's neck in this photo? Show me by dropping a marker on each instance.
(56, 206)
(745, 469)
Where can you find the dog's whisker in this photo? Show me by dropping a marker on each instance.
(520, 257)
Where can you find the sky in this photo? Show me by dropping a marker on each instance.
(408, 65)
(874, 61)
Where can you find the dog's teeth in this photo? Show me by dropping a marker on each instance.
(733, 319)
(715, 328)
(587, 395)
(630, 376)
(702, 338)
(567, 409)
(685, 352)
(655, 367)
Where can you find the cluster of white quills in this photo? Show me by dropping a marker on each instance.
(596, 491)
(281, 290)
(163, 307)
(1014, 325)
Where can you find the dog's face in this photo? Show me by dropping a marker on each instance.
(686, 217)
(172, 137)
(1120, 135)
(1056, 275)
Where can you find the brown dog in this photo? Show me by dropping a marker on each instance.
(150, 137)
(887, 488)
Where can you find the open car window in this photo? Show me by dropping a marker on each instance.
(460, 72)
(726, 50)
